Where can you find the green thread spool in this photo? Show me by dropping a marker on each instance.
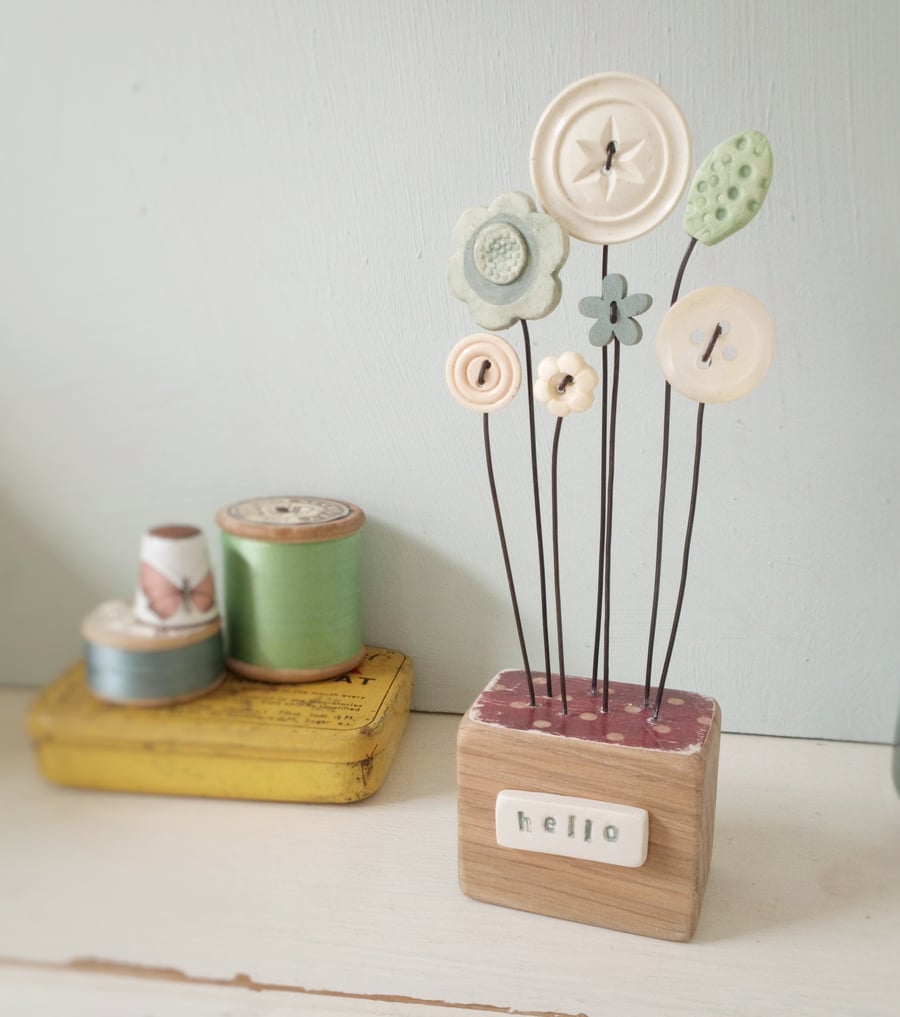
(292, 598)
(130, 663)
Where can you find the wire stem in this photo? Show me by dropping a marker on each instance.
(554, 502)
(661, 511)
(529, 380)
(601, 542)
(685, 557)
(607, 577)
(509, 576)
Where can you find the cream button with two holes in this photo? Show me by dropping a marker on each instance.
(738, 358)
(610, 157)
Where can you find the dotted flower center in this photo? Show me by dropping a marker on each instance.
(500, 253)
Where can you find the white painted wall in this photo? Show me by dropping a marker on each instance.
(224, 230)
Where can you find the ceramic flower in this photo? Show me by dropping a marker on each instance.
(506, 259)
(566, 384)
(615, 312)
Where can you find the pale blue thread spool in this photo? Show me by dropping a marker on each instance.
(129, 663)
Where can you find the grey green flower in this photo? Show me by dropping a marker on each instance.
(506, 260)
(615, 312)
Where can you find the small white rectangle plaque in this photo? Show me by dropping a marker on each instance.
(573, 827)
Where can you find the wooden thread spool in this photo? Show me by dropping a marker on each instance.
(292, 598)
(130, 663)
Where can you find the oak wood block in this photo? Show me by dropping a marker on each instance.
(669, 769)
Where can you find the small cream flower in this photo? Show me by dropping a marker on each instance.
(506, 260)
(566, 384)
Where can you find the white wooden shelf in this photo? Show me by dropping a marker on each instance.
(116, 904)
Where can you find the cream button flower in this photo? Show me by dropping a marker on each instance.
(716, 344)
(566, 384)
(483, 373)
(611, 157)
(506, 260)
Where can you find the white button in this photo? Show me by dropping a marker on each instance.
(647, 173)
(714, 368)
(483, 372)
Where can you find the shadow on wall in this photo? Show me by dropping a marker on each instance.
(423, 604)
(43, 603)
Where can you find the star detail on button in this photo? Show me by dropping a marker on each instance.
(610, 157)
(621, 162)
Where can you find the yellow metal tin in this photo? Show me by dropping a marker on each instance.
(327, 741)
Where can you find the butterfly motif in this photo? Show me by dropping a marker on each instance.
(165, 598)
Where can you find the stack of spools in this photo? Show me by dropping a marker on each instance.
(292, 581)
(167, 647)
(292, 603)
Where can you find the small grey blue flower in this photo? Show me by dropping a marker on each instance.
(615, 312)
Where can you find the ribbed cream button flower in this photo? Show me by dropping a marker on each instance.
(506, 260)
(483, 372)
(566, 384)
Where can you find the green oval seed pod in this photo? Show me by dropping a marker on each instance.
(729, 188)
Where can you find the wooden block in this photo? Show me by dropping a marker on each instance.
(327, 741)
(668, 769)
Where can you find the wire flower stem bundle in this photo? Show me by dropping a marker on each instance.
(505, 265)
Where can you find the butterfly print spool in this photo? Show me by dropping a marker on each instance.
(292, 598)
(176, 585)
(131, 663)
